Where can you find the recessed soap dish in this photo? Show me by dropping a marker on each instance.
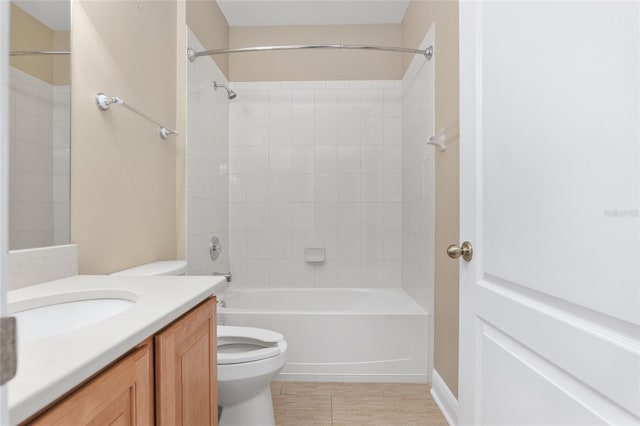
(314, 254)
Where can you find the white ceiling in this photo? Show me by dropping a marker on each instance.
(55, 14)
(312, 12)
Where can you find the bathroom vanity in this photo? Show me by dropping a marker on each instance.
(152, 363)
(124, 392)
(186, 366)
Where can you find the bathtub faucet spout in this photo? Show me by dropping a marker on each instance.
(221, 274)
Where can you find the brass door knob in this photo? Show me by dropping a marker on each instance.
(466, 251)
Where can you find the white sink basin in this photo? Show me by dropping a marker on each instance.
(54, 315)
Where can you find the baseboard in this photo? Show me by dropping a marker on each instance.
(444, 398)
(364, 378)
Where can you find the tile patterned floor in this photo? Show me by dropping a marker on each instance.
(342, 404)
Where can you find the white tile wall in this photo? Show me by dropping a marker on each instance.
(418, 181)
(208, 154)
(316, 164)
(39, 162)
(61, 127)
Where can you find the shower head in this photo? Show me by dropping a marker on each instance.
(230, 93)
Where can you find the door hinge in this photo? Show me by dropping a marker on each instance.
(8, 354)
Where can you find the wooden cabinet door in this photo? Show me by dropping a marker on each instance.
(186, 363)
(121, 395)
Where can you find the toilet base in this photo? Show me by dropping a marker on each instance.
(256, 411)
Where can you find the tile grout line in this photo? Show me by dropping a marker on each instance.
(331, 410)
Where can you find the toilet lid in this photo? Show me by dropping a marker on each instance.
(245, 344)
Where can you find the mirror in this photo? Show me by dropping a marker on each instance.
(40, 130)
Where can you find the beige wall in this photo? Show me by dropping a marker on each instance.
(27, 33)
(207, 22)
(316, 64)
(123, 175)
(444, 14)
(61, 64)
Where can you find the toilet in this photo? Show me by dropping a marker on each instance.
(248, 360)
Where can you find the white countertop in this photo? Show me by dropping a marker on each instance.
(50, 367)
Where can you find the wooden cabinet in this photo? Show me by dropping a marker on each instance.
(186, 364)
(181, 360)
(120, 395)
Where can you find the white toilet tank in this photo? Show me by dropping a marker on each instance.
(167, 267)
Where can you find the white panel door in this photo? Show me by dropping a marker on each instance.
(550, 184)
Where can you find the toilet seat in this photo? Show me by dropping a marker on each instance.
(237, 345)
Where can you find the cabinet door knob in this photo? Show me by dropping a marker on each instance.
(465, 250)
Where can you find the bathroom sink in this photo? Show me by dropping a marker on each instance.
(58, 314)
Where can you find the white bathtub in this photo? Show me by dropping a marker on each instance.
(333, 334)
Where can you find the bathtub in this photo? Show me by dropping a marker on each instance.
(367, 335)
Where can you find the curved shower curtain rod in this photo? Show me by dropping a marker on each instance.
(193, 55)
(38, 52)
